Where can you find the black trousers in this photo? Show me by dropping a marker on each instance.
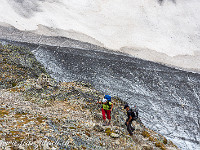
(130, 129)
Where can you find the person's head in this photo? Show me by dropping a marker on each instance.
(126, 107)
(104, 100)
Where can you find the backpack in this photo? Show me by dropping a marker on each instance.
(108, 97)
(134, 113)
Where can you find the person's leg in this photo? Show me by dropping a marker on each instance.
(129, 129)
(132, 128)
(104, 116)
(109, 116)
(126, 122)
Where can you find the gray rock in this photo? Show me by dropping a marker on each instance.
(97, 117)
(38, 87)
(21, 148)
(98, 128)
(114, 135)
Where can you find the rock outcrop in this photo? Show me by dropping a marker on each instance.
(17, 64)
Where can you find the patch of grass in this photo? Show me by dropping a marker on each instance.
(160, 145)
(40, 119)
(30, 147)
(83, 147)
(14, 84)
(3, 112)
(15, 89)
(72, 128)
(145, 134)
(18, 115)
(14, 136)
(108, 131)
(153, 139)
(165, 140)
(88, 134)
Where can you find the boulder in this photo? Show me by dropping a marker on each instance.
(114, 135)
(38, 87)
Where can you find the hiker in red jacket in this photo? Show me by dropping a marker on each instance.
(107, 107)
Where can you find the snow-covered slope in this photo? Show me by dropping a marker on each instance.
(168, 28)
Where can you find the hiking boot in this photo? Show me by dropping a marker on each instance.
(132, 129)
(130, 134)
(104, 123)
(109, 123)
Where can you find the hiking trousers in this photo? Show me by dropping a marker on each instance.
(130, 129)
(104, 112)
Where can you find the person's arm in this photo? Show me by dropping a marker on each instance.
(111, 106)
(99, 102)
(130, 117)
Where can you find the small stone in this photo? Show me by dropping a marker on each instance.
(70, 140)
(98, 128)
(21, 147)
(114, 135)
(117, 142)
(38, 87)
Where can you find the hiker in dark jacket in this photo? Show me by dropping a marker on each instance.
(129, 120)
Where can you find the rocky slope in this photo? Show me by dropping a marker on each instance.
(17, 64)
(36, 112)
